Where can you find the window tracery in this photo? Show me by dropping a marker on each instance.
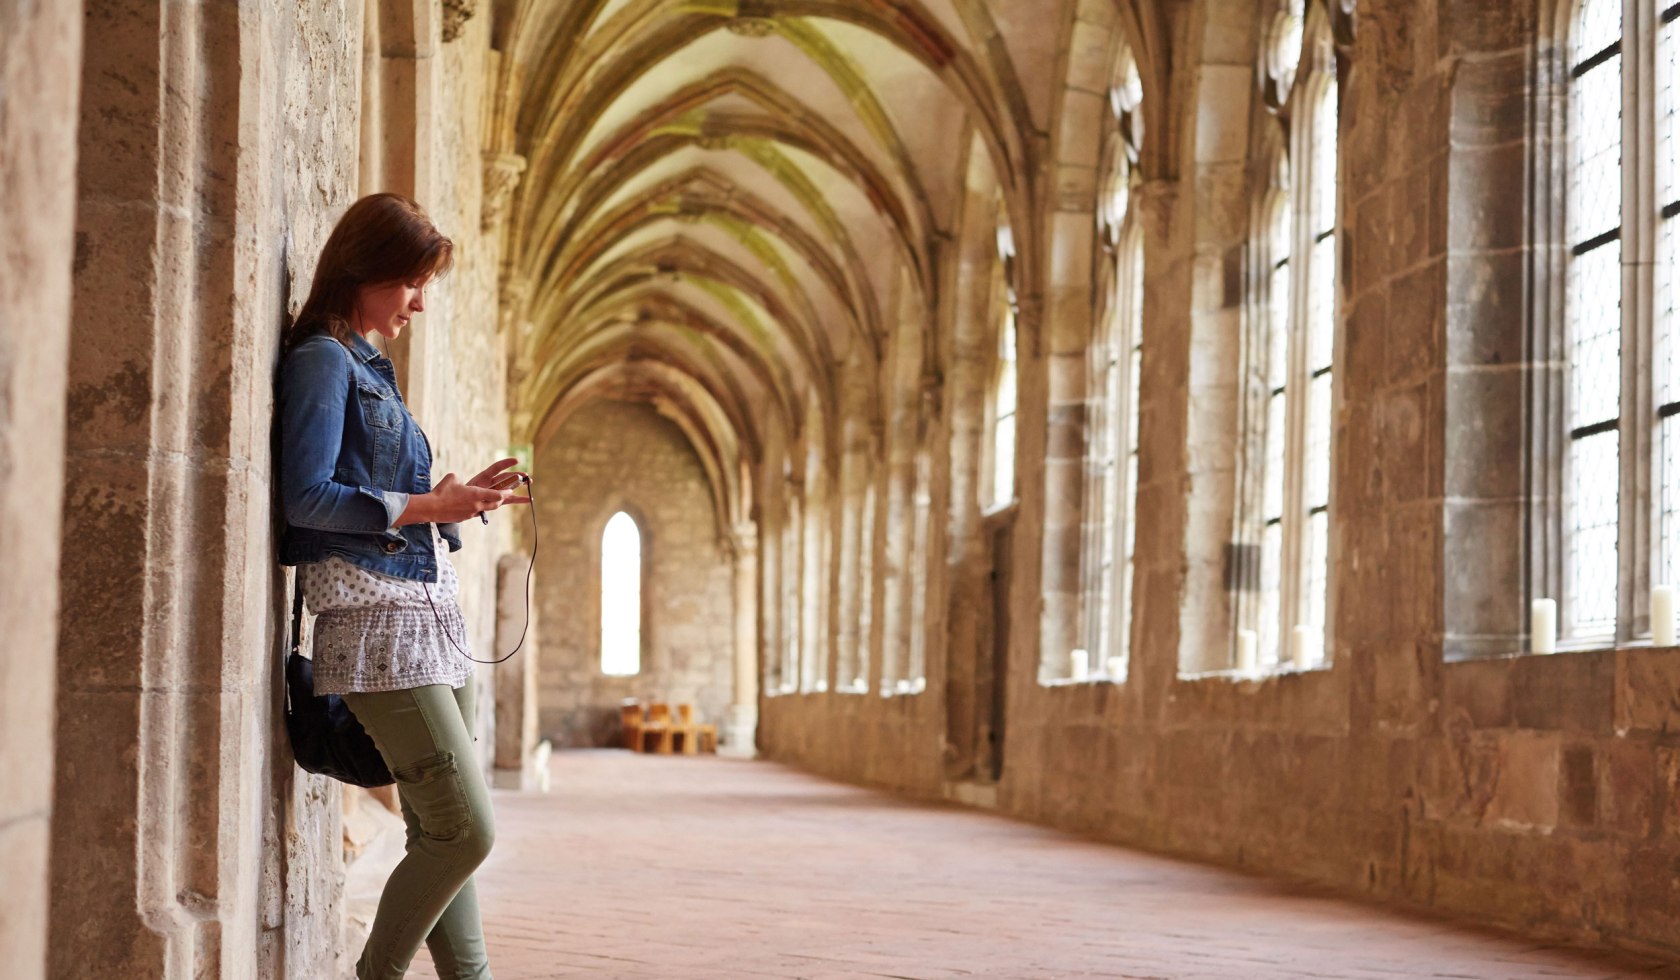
(1619, 492)
(1116, 367)
(1294, 355)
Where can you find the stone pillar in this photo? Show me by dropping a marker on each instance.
(740, 735)
(516, 678)
(184, 841)
(40, 55)
(400, 96)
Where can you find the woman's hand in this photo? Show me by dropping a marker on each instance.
(452, 501)
(496, 477)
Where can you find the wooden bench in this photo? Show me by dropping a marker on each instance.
(696, 738)
(656, 725)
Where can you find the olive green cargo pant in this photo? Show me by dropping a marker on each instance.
(424, 733)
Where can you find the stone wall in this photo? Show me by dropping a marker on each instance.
(185, 842)
(1425, 763)
(40, 49)
(613, 456)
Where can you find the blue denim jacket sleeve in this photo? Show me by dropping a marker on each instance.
(395, 503)
(314, 388)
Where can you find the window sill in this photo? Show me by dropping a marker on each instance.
(904, 690)
(1589, 648)
(1079, 681)
(1234, 676)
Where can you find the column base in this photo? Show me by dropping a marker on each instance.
(533, 776)
(740, 733)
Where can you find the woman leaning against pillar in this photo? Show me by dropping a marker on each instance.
(372, 536)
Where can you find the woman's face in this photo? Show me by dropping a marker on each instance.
(386, 308)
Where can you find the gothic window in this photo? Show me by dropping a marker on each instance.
(791, 592)
(1593, 322)
(915, 679)
(1004, 387)
(1667, 345)
(621, 596)
(1295, 353)
(1621, 389)
(854, 662)
(1117, 358)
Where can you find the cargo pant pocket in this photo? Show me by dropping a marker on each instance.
(434, 791)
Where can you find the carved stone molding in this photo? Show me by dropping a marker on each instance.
(753, 18)
(1342, 23)
(501, 176)
(516, 293)
(456, 13)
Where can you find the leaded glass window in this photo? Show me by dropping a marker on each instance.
(1003, 415)
(1667, 346)
(1620, 479)
(1295, 351)
(1593, 323)
(1117, 360)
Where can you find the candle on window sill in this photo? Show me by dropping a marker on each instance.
(1116, 668)
(1542, 626)
(1301, 647)
(1248, 651)
(1662, 616)
(1080, 664)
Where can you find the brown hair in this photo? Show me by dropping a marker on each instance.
(383, 238)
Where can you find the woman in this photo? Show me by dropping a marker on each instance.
(368, 529)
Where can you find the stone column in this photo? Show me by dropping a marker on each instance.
(40, 55)
(740, 734)
(400, 96)
(516, 678)
(185, 843)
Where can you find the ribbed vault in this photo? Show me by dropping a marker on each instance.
(730, 208)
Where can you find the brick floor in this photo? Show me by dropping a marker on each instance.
(642, 866)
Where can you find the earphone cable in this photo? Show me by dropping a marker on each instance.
(532, 506)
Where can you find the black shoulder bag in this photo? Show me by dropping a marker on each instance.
(326, 737)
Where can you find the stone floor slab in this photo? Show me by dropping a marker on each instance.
(645, 866)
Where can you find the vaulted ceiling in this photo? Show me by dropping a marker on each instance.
(725, 201)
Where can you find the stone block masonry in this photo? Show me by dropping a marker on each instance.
(614, 456)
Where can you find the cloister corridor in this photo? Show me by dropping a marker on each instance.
(640, 866)
(1136, 488)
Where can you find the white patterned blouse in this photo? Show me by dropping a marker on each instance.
(376, 632)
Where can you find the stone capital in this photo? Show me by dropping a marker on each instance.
(501, 177)
(456, 13)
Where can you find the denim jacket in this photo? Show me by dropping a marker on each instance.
(350, 456)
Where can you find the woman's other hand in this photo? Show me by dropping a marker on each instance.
(452, 501)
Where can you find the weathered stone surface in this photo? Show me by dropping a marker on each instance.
(40, 47)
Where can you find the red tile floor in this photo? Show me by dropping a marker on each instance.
(648, 866)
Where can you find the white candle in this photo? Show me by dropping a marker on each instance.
(1542, 626)
(1300, 646)
(1116, 667)
(1662, 616)
(1248, 651)
(1080, 663)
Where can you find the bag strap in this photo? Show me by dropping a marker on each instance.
(297, 614)
(297, 638)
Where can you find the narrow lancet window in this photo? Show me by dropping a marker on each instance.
(1667, 345)
(1593, 324)
(621, 596)
(1295, 359)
